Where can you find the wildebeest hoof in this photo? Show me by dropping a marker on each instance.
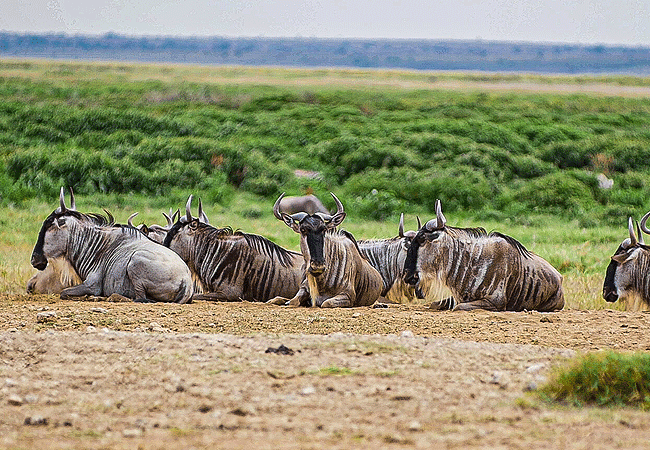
(117, 298)
(379, 305)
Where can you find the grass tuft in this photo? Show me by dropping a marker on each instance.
(602, 379)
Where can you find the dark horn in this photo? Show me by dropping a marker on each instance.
(401, 225)
(339, 205)
(188, 212)
(170, 223)
(639, 235)
(643, 221)
(630, 227)
(129, 221)
(202, 216)
(419, 223)
(61, 208)
(440, 217)
(276, 207)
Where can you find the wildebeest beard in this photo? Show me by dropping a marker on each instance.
(609, 288)
(315, 244)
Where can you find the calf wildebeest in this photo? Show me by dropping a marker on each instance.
(111, 259)
(388, 257)
(336, 274)
(307, 203)
(233, 266)
(156, 233)
(58, 275)
(489, 271)
(628, 273)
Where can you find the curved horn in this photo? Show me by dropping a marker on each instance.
(339, 205)
(129, 221)
(61, 208)
(419, 223)
(401, 225)
(431, 225)
(297, 217)
(188, 212)
(170, 223)
(630, 227)
(276, 207)
(440, 217)
(202, 217)
(73, 205)
(639, 235)
(643, 221)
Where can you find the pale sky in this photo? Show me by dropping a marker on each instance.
(625, 22)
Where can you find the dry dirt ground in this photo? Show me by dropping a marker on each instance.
(204, 375)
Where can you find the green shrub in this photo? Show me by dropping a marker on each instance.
(602, 379)
(376, 205)
(556, 193)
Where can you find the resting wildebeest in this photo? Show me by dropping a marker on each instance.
(336, 274)
(111, 259)
(388, 257)
(628, 273)
(307, 203)
(58, 275)
(483, 271)
(233, 266)
(156, 233)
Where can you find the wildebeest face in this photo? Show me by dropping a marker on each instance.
(428, 240)
(52, 240)
(619, 275)
(312, 229)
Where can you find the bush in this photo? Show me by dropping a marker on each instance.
(556, 193)
(376, 205)
(602, 379)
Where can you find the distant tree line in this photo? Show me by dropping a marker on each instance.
(416, 54)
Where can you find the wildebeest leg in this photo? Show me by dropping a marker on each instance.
(477, 304)
(301, 298)
(215, 297)
(555, 303)
(80, 290)
(446, 304)
(338, 301)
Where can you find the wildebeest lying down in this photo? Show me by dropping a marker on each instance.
(483, 271)
(628, 273)
(58, 275)
(336, 274)
(307, 203)
(233, 266)
(388, 256)
(111, 259)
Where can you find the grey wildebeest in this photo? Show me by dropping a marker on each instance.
(229, 265)
(111, 259)
(58, 275)
(482, 270)
(156, 233)
(628, 273)
(388, 257)
(307, 203)
(336, 273)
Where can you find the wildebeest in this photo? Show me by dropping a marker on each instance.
(336, 274)
(388, 256)
(156, 233)
(58, 275)
(307, 203)
(233, 266)
(111, 259)
(483, 270)
(628, 273)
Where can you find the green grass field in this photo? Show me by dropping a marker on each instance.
(142, 137)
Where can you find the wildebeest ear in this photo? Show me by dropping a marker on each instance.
(291, 222)
(621, 257)
(337, 219)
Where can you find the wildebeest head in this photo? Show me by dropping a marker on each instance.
(312, 229)
(186, 225)
(621, 275)
(55, 246)
(53, 238)
(433, 230)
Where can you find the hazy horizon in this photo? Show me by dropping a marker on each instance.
(598, 22)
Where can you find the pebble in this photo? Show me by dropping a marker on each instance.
(132, 433)
(15, 400)
(99, 310)
(45, 316)
(535, 368)
(407, 334)
(308, 390)
(415, 426)
(36, 420)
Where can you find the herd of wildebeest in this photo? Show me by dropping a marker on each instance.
(85, 255)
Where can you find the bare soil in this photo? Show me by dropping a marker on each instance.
(210, 375)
